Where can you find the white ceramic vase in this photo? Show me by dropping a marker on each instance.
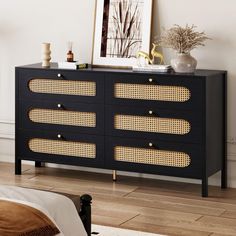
(46, 55)
(184, 63)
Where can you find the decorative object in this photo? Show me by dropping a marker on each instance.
(46, 55)
(114, 119)
(70, 55)
(147, 58)
(122, 28)
(152, 68)
(183, 40)
(75, 65)
(184, 63)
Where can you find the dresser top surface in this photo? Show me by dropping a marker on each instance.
(54, 66)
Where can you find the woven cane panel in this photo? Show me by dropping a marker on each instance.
(62, 117)
(152, 92)
(66, 87)
(64, 148)
(152, 124)
(152, 156)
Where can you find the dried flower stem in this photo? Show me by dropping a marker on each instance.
(183, 39)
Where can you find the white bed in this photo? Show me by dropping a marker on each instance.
(60, 209)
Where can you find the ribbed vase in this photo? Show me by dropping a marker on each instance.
(184, 63)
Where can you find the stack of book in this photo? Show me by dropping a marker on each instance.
(153, 68)
(75, 65)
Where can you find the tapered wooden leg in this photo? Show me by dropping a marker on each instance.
(205, 187)
(114, 175)
(18, 167)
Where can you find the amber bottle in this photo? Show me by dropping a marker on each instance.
(70, 55)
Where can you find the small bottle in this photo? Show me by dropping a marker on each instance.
(70, 55)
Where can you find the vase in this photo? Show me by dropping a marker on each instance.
(184, 63)
(46, 55)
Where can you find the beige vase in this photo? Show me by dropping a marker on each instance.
(46, 54)
(184, 63)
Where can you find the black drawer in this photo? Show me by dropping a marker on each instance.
(154, 123)
(149, 89)
(62, 148)
(62, 116)
(75, 86)
(155, 157)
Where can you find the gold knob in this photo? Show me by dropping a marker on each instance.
(150, 112)
(59, 136)
(59, 105)
(59, 75)
(150, 80)
(150, 144)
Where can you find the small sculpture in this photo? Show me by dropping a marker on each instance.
(46, 55)
(154, 53)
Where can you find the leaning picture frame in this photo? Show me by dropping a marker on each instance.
(122, 28)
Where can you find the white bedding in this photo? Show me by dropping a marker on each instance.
(58, 208)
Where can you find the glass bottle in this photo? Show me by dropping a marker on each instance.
(70, 55)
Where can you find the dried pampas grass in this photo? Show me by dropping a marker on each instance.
(183, 39)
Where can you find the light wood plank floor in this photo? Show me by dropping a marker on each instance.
(141, 204)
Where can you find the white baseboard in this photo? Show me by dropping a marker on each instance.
(7, 129)
(7, 154)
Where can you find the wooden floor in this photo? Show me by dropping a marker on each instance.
(147, 205)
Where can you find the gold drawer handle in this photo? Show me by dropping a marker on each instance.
(59, 136)
(59, 105)
(150, 80)
(150, 144)
(59, 75)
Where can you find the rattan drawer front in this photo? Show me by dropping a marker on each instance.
(151, 156)
(151, 92)
(63, 117)
(64, 148)
(63, 87)
(152, 124)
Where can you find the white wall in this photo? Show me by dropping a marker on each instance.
(25, 24)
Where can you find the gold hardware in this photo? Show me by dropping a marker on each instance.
(114, 175)
(150, 144)
(150, 112)
(154, 53)
(59, 136)
(150, 80)
(59, 105)
(59, 75)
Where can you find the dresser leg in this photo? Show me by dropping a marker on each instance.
(205, 187)
(223, 179)
(114, 175)
(38, 164)
(224, 139)
(18, 167)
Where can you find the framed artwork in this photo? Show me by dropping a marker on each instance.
(122, 28)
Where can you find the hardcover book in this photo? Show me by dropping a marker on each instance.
(75, 65)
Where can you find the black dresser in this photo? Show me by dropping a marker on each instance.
(159, 123)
